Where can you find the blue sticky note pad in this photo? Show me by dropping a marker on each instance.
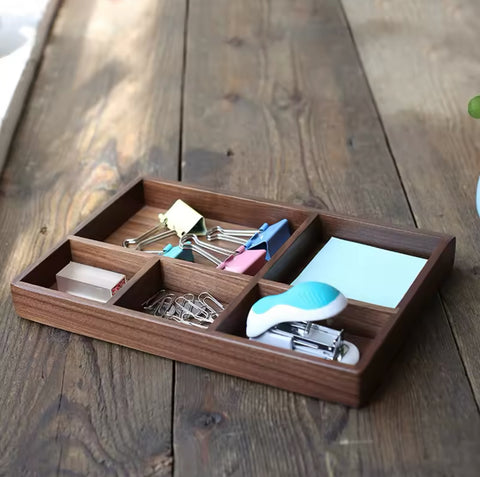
(362, 272)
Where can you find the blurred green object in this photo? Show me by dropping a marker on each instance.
(474, 107)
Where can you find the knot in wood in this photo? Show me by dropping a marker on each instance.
(207, 420)
(235, 41)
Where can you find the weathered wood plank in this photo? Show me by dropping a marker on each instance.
(276, 104)
(280, 108)
(105, 107)
(423, 64)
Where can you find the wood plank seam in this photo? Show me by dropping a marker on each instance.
(60, 398)
(182, 96)
(377, 112)
(179, 177)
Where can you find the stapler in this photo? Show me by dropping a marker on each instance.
(287, 321)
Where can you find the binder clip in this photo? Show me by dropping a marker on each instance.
(240, 260)
(271, 237)
(268, 237)
(179, 219)
(174, 252)
(286, 320)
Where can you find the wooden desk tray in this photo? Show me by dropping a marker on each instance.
(377, 331)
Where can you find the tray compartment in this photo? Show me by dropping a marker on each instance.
(361, 323)
(136, 211)
(217, 351)
(87, 252)
(181, 277)
(286, 267)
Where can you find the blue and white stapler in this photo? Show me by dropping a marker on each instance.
(286, 320)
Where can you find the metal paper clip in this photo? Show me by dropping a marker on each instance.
(268, 237)
(181, 218)
(153, 301)
(186, 319)
(160, 304)
(205, 297)
(187, 304)
(238, 261)
(186, 309)
(165, 307)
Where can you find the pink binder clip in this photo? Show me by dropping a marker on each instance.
(244, 261)
(241, 260)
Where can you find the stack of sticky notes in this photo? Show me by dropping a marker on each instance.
(362, 272)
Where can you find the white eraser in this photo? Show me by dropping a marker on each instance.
(89, 282)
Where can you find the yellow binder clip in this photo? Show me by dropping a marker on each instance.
(179, 219)
(183, 219)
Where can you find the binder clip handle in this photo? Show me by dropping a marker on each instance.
(191, 242)
(237, 261)
(136, 240)
(154, 238)
(233, 235)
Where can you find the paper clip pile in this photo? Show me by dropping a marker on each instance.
(190, 309)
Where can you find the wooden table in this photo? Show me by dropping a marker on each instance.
(355, 106)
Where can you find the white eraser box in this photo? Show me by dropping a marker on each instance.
(89, 282)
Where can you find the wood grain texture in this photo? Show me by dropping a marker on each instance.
(276, 104)
(105, 107)
(436, 145)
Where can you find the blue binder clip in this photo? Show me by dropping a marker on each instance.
(270, 237)
(174, 252)
(267, 237)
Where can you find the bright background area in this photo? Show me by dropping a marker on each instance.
(23, 27)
